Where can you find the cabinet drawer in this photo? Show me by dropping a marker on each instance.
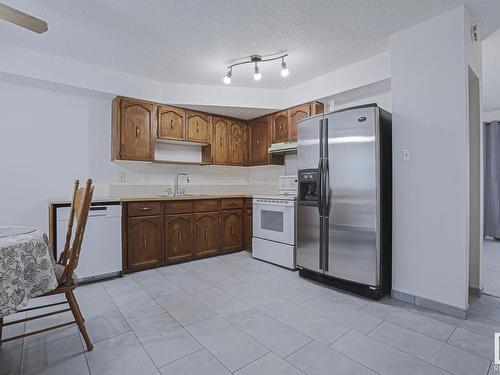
(206, 205)
(143, 208)
(231, 203)
(180, 207)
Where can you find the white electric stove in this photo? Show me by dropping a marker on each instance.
(274, 229)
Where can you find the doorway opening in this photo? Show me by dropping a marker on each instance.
(491, 242)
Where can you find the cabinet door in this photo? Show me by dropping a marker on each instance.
(280, 127)
(178, 237)
(232, 230)
(296, 114)
(259, 142)
(206, 233)
(236, 143)
(170, 123)
(137, 121)
(248, 223)
(246, 144)
(220, 141)
(144, 242)
(197, 127)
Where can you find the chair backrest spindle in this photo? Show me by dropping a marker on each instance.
(80, 207)
(63, 257)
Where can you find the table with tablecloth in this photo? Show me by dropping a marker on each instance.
(26, 267)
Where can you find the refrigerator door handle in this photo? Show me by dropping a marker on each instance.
(320, 187)
(321, 234)
(320, 192)
(326, 197)
(324, 240)
(326, 214)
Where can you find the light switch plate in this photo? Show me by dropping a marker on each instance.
(405, 154)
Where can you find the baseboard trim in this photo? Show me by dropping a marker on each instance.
(429, 304)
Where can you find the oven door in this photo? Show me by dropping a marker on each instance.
(274, 221)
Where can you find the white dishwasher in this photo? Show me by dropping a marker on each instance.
(101, 252)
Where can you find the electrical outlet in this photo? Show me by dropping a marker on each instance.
(406, 154)
(121, 177)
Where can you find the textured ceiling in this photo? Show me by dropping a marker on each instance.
(191, 41)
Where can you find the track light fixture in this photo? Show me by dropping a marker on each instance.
(256, 72)
(227, 78)
(256, 59)
(284, 69)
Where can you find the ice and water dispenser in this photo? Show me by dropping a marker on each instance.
(308, 187)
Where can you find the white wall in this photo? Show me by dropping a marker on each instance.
(384, 100)
(491, 72)
(43, 148)
(429, 92)
(491, 116)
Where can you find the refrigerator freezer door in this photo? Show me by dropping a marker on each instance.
(308, 238)
(308, 210)
(352, 156)
(308, 143)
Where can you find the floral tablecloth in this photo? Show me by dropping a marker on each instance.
(26, 270)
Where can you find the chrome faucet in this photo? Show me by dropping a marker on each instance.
(177, 191)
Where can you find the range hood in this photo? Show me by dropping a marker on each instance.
(283, 148)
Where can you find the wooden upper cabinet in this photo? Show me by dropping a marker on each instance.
(144, 248)
(178, 237)
(137, 124)
(220, 141)
(171, 123)
(197, 127)
(296, 114)
(259, 141)
(232, 230)
(236, 144)
(206, 233)
(246, 144)
(280, 127)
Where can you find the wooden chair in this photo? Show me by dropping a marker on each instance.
(65, 268)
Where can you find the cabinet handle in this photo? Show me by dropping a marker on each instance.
(206, 234)
(137, 131)
(144, 208)
(180, 237)
(232, 230)
(220, 141)
(197, 127)
(258, 141)
(281, 127)
(145, 243)
(171, 124)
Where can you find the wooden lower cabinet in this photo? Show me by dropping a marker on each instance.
(159, 233)
(144, 248)
(206, 233)
(232, 230)
(178, 237)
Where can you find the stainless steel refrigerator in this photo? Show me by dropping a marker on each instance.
(344, 214)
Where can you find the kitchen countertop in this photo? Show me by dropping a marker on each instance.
(135, 198)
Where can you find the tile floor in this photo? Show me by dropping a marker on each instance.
(234, 314)
(490, 264)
